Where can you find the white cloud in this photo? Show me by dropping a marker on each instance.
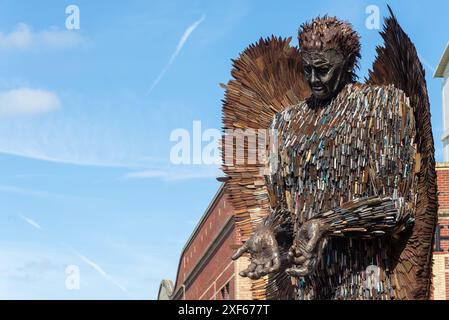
(36, 270)
(23, 37)
(88, 261)
(172, 174)
(25, 101)
(31, 222)
(181, 43)
(38, 193)
(93, 265)
(88, 131)
(147, 174)
(101, 271)
(59, 38)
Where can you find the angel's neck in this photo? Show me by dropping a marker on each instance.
(318, 104)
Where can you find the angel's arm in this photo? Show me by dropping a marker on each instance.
(280, 223)
(279, 220)
(367, 217)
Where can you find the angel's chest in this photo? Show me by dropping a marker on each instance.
(322, 156)
(322, 138)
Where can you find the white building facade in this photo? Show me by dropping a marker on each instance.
(442, 71)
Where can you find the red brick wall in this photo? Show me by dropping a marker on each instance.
(443, 203)
(210, 228)
(441, 253)
(220, 269)
(215, 275)
(443, 188)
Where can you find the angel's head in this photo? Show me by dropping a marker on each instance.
(330, 50)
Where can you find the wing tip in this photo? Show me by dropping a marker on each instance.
(392, 15)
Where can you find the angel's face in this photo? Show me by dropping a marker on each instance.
(324, 71)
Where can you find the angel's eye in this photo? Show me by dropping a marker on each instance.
(307, 69)
(323, 70)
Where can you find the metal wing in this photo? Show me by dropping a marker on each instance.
(398, 63)
(267, 78)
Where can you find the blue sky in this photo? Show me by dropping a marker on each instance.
(85, 121)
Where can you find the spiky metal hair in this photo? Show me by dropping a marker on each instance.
(324, 33)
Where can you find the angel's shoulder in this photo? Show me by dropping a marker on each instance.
(290, 112)
(376, 97)
(371, 91)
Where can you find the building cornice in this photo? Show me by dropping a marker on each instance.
(206, 213)
(442, 65)
(442, 166)
(443, 213)
(165, 289)
(209, 253)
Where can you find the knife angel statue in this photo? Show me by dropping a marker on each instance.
(333, 181)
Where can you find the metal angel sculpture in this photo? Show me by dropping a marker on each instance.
(348, 188)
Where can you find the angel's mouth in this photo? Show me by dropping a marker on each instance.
(318, 88)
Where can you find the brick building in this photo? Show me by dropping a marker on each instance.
(441, 249)
(442, 71)
(206, 270)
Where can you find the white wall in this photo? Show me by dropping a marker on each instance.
(445, 104)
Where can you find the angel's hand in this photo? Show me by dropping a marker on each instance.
(264, 254)
(305, 253)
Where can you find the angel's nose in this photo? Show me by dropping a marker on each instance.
(313, 78)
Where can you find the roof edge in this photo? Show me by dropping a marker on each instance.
(198, 227)
(204, 217)
(442, 64)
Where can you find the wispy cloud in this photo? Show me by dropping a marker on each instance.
(37, 193)
(77, 160)
(92, 264)
(88, 130)
(102, 272)
(88, 261)
(39, 266)
(31, 222)
(26, 101)
(24, 191)
(170, 175)
(23, 37)
(179, 47)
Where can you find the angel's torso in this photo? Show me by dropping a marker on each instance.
(323, 160)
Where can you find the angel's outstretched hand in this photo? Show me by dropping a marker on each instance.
(305, 253)
(264, 254)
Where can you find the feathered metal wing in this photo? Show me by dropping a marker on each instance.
(267, 78)
(397, 63)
